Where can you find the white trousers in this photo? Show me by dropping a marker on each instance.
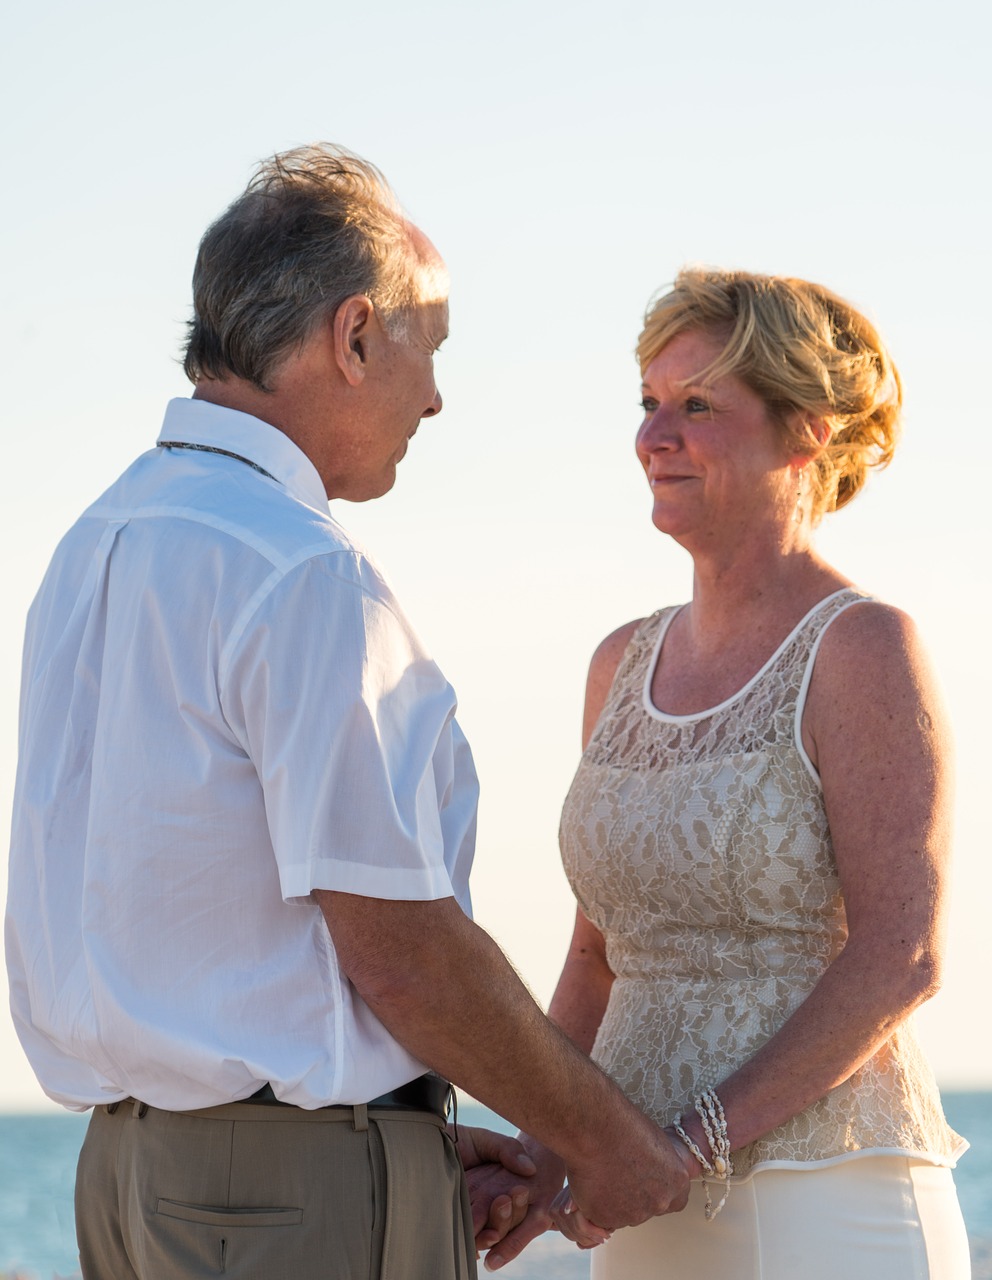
(869, 1218)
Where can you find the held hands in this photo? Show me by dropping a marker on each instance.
(626, 1189)
(515, 1188)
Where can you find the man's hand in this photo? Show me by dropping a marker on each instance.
(543, 1188)
(628, 1185)
(494, 1165)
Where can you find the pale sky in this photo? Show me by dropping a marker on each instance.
(567, 159)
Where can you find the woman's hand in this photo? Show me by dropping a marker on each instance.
(569, 1219)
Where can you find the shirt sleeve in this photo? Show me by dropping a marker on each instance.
(350, 727)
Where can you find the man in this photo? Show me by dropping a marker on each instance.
(238, 921)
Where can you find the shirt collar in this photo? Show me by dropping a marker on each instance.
(199, 422)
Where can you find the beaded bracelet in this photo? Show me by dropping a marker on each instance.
(677, 1126)
(709, 1108)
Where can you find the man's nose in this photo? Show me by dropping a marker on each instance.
(435, 405)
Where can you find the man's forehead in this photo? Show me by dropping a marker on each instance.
(435, 320)
(434, 283)
(432, 274)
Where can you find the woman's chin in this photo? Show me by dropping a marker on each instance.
(668, 521)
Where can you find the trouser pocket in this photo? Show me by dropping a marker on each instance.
(192, 1240)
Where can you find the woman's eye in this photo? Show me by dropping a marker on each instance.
(695, 405)
(649, 405)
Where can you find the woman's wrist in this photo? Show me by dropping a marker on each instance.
(715, 1161)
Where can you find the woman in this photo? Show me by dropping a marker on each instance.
(758, 831)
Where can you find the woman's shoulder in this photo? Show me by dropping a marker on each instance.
(607, 659)
(610, 651)
(602, 672)
(866, 631)
(871, 658)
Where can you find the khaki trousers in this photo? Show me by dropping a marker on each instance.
(255, 1192)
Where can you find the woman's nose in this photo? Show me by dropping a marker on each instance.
(655, 433)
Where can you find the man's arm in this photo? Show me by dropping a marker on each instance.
(444, 989)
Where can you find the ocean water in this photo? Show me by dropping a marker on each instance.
(38, 1157)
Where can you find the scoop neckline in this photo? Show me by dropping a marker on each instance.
(668, 717)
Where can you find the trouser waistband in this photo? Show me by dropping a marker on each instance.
(429, 1092)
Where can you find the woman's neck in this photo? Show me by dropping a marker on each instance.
(745, 591)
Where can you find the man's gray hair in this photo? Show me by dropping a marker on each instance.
(314, 226)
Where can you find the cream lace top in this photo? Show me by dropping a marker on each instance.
(698, 845)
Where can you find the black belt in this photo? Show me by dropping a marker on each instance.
(427, 1093)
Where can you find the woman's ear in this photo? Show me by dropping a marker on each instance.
(351, 330)
(820, 430)
(815, 433)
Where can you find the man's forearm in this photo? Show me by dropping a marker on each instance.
(447, 993)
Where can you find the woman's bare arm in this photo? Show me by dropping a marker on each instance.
(875, 728)
(584, 987)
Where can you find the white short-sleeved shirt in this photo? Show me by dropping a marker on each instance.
(223, 708)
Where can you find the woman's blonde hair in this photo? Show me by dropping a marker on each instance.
(806, 352)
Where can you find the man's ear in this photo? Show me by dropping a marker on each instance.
(351, 332)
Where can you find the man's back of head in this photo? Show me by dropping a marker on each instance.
(314, 226)
(317, 308)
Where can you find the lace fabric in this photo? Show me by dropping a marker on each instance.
(699, 846)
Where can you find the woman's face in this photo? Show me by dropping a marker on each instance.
(717, 464)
